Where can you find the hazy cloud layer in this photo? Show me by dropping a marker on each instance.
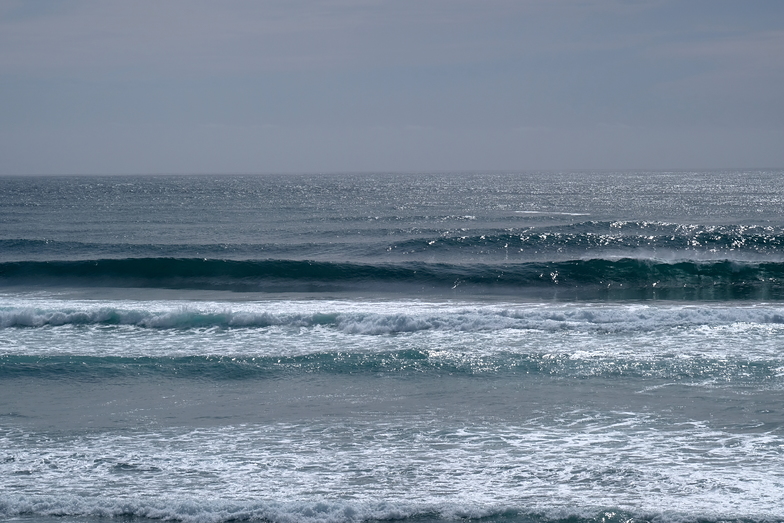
(282, 86)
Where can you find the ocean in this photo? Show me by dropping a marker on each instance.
(498, 347)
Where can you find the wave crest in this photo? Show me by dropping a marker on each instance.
(585, 318)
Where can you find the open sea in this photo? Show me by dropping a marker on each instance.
(512, 347)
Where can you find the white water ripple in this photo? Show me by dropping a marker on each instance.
(631, 462)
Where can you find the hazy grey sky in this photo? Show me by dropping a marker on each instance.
(374, 85)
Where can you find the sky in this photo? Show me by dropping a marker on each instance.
(269, 86)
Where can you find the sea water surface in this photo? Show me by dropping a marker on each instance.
(502, 347)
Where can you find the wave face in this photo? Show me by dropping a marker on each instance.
(576, 279)
(507, 347)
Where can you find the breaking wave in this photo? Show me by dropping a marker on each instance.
(203, 511)
(468, 318)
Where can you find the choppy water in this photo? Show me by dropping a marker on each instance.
(505, 347)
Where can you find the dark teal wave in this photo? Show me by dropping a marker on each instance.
(403, 362)
(624, 278)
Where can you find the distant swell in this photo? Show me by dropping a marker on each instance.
(624, 278)
(391, 239)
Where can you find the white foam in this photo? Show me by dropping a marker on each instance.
(394, 468)
(383, 317)
(35, 326)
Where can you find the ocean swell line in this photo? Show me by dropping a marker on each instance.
(227, 368)
(624, 278)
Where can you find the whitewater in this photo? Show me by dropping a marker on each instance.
(503, 347)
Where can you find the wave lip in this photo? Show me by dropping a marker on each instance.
(624, 278)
